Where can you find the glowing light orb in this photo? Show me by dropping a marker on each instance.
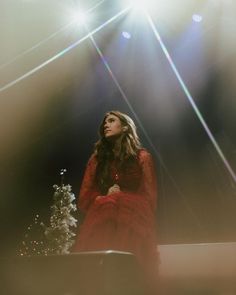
(126, 35)
(80, 17)
(197, 18)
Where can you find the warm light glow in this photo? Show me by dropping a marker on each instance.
(80, 17)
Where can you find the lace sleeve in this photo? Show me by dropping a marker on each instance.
(148, 186)
(89, 190)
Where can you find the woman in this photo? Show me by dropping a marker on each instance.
(118, 194)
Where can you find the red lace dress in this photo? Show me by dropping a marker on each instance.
(124, 220)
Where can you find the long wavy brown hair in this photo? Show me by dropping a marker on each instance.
(124, 150)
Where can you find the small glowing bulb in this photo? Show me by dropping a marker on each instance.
(126, 35)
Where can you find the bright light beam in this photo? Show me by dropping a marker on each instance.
(22, 54)
(190, 98)
(31, 72)
(157, 154)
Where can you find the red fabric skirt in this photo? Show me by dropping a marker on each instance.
(123, 222)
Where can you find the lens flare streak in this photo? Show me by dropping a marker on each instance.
(22, 54)
(66, 50)
(62, 29)
(190, 98)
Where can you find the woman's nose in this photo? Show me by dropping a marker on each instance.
(105, 126)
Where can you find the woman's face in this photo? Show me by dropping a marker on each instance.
(112, 126)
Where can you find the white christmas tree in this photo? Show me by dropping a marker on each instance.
(59, 233)
(57, 238)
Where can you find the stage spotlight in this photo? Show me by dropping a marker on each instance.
(80, 17)
(197, 18)
(126, 35)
